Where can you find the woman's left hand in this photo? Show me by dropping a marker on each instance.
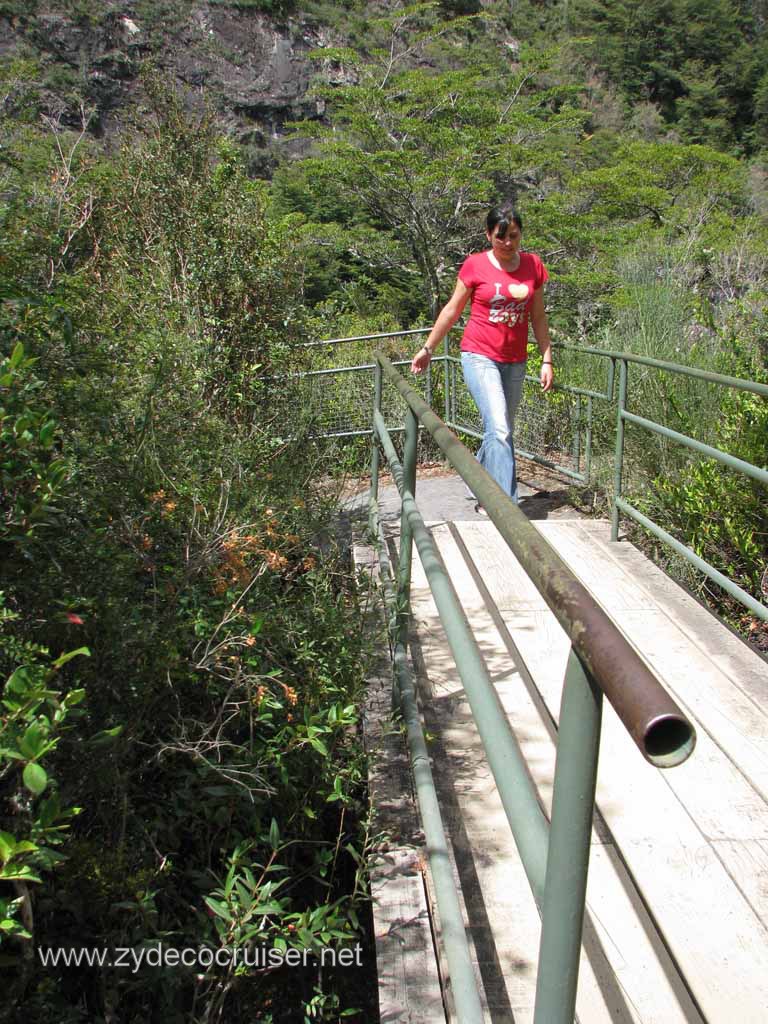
(546, 376)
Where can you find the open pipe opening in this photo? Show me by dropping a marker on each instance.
(668, 740)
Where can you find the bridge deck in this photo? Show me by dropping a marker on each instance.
(677, 917)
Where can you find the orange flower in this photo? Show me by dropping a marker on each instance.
(275, 560)
(290, 694)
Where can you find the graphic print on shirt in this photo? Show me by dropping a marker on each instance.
(508, 311)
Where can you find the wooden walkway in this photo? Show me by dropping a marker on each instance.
(677, 916)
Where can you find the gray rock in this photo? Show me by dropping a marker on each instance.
(252, 68)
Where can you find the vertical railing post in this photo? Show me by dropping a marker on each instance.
(373, 515)
(565, 889)
(454, 391)
(619, 457)
(446, 380)
(610, 379)
(406, 534)
(577, 435)
(588, 441)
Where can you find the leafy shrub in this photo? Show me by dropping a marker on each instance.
(31, 472)
(189, 550)
(718, 511)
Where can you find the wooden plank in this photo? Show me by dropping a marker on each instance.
(501, 914)
(747, 863)
(643, 986)
(617, 920)
(600, 574)
(409, 983)
(732, 719)
(726, 706)
(502, 574)
(738, 760)
(708, 924)
(721, 949)
(726, 721)
(739, 662)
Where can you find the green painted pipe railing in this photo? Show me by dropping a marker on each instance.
(555, 856)
(582, 454)
(620, 505)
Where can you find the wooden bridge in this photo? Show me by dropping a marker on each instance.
(676, 924)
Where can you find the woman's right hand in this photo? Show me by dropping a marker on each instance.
(449, 314)
(421, 360)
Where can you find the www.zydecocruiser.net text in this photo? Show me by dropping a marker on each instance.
(202, 958)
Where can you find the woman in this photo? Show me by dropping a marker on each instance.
(506, 287)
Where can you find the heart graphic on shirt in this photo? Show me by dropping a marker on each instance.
(518, 291)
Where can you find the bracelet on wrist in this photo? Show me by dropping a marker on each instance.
(427, 349)
(546, 362)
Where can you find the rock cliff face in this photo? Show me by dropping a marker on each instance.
(252, 68)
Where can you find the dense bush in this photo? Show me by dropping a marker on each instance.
(158, 516)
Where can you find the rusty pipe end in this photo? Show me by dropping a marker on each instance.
(668, 740)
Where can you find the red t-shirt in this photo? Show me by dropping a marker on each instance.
(501, 301)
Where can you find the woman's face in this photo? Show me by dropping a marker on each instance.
(506, 244)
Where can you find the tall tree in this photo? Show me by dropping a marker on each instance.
(431, 131)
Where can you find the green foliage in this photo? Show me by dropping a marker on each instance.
(12, 9)
(32, 721)
(31, 474)
(157, 459)
(667, 183)
(266, 6)
(149, 294)
(700, 63)
(415, 153)
(717, 511)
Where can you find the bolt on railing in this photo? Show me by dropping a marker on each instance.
(555, 856)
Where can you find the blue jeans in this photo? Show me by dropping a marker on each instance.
(497, 389)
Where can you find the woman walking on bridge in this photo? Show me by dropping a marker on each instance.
(506, 288)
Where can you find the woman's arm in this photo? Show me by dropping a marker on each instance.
(447, 317)
(541, 333)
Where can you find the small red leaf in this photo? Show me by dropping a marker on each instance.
(75, 619)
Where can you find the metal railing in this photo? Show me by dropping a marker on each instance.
(724, 458)
(442, 380)
(555, 855)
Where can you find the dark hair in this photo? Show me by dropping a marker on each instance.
(502, 216)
